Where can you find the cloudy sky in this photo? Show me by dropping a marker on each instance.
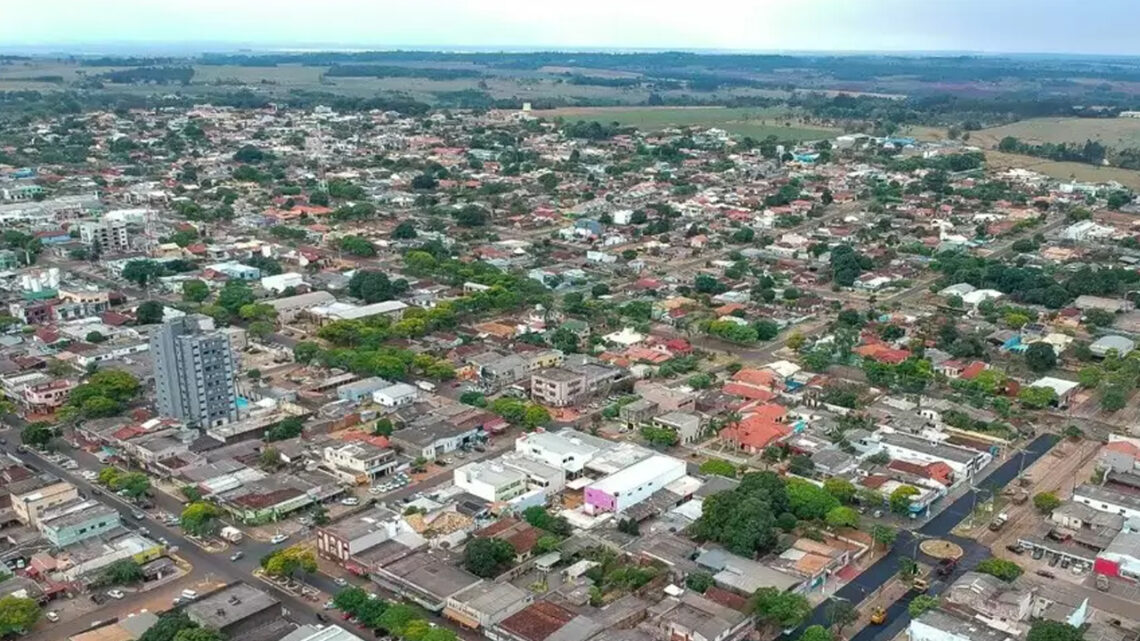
(1038, 26)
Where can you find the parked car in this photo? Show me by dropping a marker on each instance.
(340, 581)
(189, 594)
(1102, 583)
(237, 555)
(1015, 548)
(1053, 560)
(116, 594)
(278, 538)
(1038, 553)
(1047, 574)
(52, 616)
(138, 515)
(329, 604)
(322, 618)
(350, 500)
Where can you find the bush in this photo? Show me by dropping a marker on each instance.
(1002, 569)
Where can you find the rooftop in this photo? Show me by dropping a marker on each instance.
(229, 605)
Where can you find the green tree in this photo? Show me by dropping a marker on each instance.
(1037, 397)
(908, 569)
(809, 501)
(199, 634)
(406, 230)
(1002, 569)
(350, 599)
(142, 272)
(37, 435)
(1046, 630)
(1046, 502)
(288, 561)
(841, 489)
(397, 617)
(920, 604)
(234, 295)
(784, 610)
(815, 633)
(1040, 357)
(718, 467)
(121, 572)
(17, 615)
(488, 557)
(901, 499)
(841, 613)
(884, 534)
(200, 518)
(169, 624)
(149, 313)
(699, 581)
(839, 517)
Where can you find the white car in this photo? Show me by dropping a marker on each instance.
(52, 616)
(340, 581)
(351, 500)
(378, 489)
(278, 538)
(89, 475)
(116, 594)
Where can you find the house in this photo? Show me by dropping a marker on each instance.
(762, 427)
(33, 496)
(434, 439)
(486, 604)
(290, 307)
(77, 521)
(965, 462)
(1062, 388)
(357, 533)
(397, 395)
(942, 625)
(236, 270)
(694, 617)
(687, 425)
(280, 282)
(1108, 500)
(1120, 454)
(426, 577)
(1105, 344)
(359, 462)
(544, 620)
(363, 389)
(990, 597)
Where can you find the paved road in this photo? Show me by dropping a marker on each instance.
(907, 546)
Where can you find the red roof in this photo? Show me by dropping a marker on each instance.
(973, 369)
(760, 377)
(537, 621)
(745, 390)
(882, 353)
(759, 429)
(1124, 447)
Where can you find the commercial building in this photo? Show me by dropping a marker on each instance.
(1106, 500)
(77, 521)
(290, 307)
(429, 578)
(359, 462)
(490, 481)
(965, 462)
(110, 236)
(485, 604)
(357, 533)
(627, 487)
(33, 496)
(316, 633)
(940, 625)
(568, 450)
(194, 371)
(235, 609)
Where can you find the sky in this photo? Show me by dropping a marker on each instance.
(997, 26)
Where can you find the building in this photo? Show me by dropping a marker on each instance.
(1105, 344)
(359, 462)
(628, 487)
(194, 372)
(990, 597)
(77, 521)
(687, 425)
(490, 481)
(318, 633)
(568, 450)
(940, 625)
(336, 311)
(397, 395)
(486, 604)
(965, 462)
(1106, 500)
(237, 609)
(427, 577)
(693, 617)
(33, 496)
(280, 282)
(290, 307)
(544, 620)
(110, 236)
(357, 533)
(557, 386)
(363, 389)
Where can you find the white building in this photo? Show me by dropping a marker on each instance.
(359, 462)
(940, 625)
(568, 450)
(1106, 500)
(964, 461)
(397, 395)
(281, 282)
(490, 481)
(627, 487)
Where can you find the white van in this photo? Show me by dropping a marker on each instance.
(189, 594)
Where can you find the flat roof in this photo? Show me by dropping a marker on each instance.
(941, 450)
(229, 605)
(359, 525)
(432, 574)
(328, 633)
(639, 473)
(490, 596)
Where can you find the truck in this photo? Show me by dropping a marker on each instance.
(878, 616)
(999, 522)
(231, 534)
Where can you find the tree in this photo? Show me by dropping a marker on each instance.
(1039, 397)
(289, 427)
(374, 286)
(149, 313)
(901, 498)
(884, 534)
(95, 337)
(815, 633)
(537, 516)
(699, 581)
(234, 295)
(397, 617)
(1089, 377)
(841, 613)
(1046, 502)
(133, 484)
(37, 435)
(200, 518)
(1074, 432)
(920, 604)
(357, 246)
(142, 272)
(169, 624)
(546, 543)
(907, 569)
(350, 599)
(406, 230)
(260, 329)
(773, 606)
(488, 557)
(838, 517)
(199, 634)
(1040, 357)
(809, 501)
(1046, 630)
(305, 351)
(287, 561)
(1113, 398)
(841, 489)
(17, 615)
(1002, 569)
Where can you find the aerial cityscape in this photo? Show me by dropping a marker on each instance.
(642, 333)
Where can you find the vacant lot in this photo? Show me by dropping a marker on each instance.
(1065, 170)
(1111, 132)
(755, 122)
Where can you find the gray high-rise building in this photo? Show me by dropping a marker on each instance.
(194, 371)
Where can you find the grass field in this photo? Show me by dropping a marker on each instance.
(755, 122)
(1111, 132)
(1065, 170)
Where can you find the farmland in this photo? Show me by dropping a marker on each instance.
(755, 122)
(1110, 132)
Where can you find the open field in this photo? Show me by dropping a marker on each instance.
(1065, 170)
(1111, 132)
(756, 122)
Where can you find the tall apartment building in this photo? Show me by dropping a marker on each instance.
(194, 371)
(109, 235)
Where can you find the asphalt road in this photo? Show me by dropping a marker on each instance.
(907, 546)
